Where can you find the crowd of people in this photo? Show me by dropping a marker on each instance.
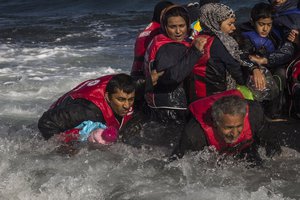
(203, 79)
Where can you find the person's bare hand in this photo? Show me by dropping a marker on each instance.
(199, 43)
(294, 36)
(155, 75)
(259, 60)
(259, 79)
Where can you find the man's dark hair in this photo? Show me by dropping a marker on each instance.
(122, 82)
(159, 7)
(261, 10)
(232, 105)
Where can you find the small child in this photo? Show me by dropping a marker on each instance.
(94, 132)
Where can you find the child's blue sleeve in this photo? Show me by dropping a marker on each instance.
(87, 127)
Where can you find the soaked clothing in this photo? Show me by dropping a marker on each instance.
(84, 102)
(68, 115)
(194, 137)
(143, 131)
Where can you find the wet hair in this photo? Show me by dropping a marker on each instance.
(203, 2)
(159, 7)
(175, 11)
(232, 105)
(261, 10)
(122, 82)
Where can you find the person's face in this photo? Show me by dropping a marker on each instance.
(278, 2)
(120, 102)
(176, 28)
(263, 26)
(227, 26)
(231, 127)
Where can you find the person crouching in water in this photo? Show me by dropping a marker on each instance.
(229, 123)
(85, 112)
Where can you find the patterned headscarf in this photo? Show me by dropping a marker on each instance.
(211, 16)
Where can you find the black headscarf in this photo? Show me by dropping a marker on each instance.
(159, 7)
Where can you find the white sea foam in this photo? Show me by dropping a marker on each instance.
(34, 74)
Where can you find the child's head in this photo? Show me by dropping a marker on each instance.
(261, 16)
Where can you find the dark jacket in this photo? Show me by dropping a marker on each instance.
(282, 55)
(194, 139)
(287, 17)
(218, 64)
(68, 115)
(177, 62)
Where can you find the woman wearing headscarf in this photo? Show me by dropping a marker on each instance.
(173, 57)
(171, 53)
(220, 68)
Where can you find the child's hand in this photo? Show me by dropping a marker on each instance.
(258, 60)
(294, 36)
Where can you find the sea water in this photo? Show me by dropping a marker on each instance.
(47, 48)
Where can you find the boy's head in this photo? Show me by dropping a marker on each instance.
(261, 17)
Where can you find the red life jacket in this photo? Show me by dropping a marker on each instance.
(293, 77)
(157, 42)
(201, 111)
(296, 72)
(199, 71)
(141, 44)
(93, 90)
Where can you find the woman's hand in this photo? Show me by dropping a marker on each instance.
(199, 43)
(259, 79)
(155, 75)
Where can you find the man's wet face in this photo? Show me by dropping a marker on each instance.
(231, 127)
(120, 102)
